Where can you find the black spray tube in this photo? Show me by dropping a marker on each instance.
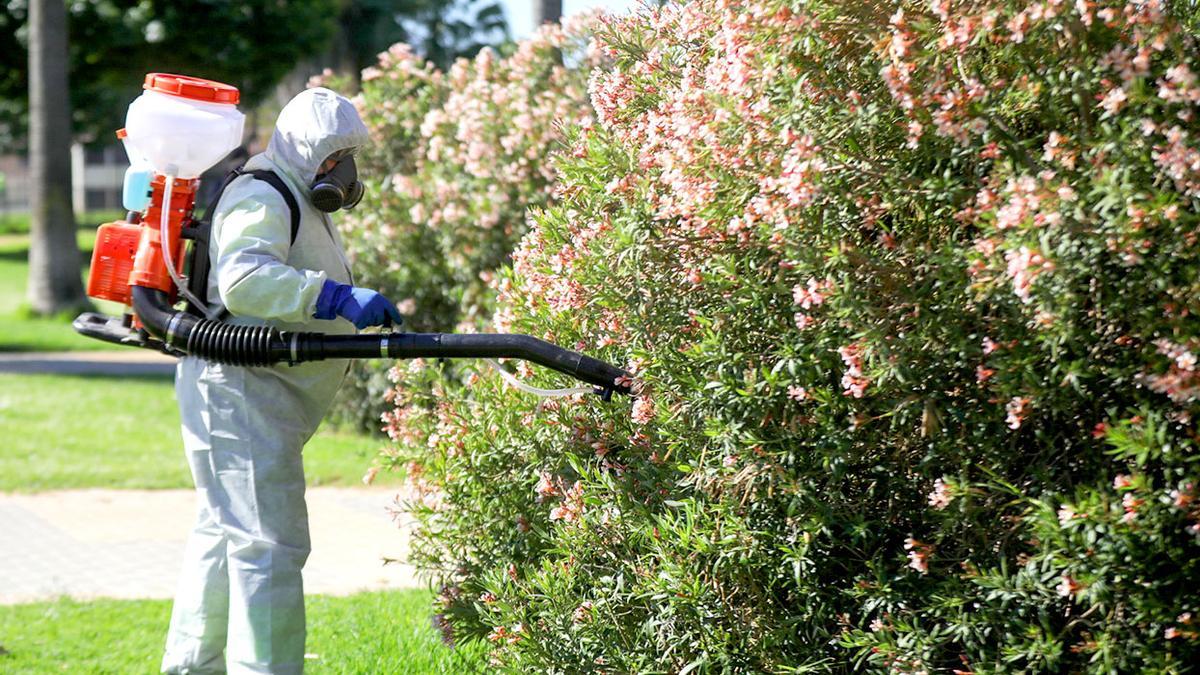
(262, 345)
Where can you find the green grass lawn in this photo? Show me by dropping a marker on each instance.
(61, 432)
(20, 331)
(18, 223)
(387, 632)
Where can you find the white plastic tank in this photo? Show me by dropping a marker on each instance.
(183, 125)
(135, 193)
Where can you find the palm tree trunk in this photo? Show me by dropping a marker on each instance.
(54, 261)
(547, 10)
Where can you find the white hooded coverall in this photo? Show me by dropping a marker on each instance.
(240, 602)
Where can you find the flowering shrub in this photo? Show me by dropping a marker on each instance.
(456, 160)
(908, 292)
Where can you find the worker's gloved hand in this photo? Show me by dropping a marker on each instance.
(361, 306)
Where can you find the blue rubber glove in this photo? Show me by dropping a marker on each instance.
(361, 306)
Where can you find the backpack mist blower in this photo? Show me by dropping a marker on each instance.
(178, 128)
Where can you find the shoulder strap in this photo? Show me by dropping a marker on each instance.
(212, 206)
(201, 230)
(271, 178)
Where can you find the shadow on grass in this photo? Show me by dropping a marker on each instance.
(116, 379)
(19, 347)
(97, 370)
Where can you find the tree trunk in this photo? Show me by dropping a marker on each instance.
(54, 262)
(547, 10)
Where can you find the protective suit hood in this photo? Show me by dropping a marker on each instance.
(313, 125)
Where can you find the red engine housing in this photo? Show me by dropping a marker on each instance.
(128, 255)
(112, 261)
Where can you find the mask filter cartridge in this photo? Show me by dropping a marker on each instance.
(337, 189)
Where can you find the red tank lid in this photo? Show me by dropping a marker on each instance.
(192, 87)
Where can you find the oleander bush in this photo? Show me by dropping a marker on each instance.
(456, 160)
(909, 294)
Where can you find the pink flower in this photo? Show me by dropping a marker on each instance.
(1182, 499)
(983, 374)
(802, 320)
(1179, 86)
(1068, 586)
(989, 346)
(918, 555)
(572, 505)
(941, 496)
(957, 34)
(1114, 100)
(643, 410)
(915, 129)
(1018, 25)
(1052, 148)
(1131, 505)
(1016, 409)
(582, 613)
(611, 91)
(547, 486)
(1183, 357)
(1024, 200)
(1123, 481)
(1024, 266)
(407, 306)
(854, 381)
(797, 393)
(1066, 513)
(855, 386)
(1179, 161)
(502, 633)
(812, 294)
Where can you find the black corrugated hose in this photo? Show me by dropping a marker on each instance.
(262, 345)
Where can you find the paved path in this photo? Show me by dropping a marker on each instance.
(129, 543)
(129, 361)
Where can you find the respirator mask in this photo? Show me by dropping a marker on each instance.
(338, 188)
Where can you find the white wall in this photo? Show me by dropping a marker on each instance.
(96, 184)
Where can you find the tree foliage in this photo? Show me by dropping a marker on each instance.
(440, 30)
(250, 45)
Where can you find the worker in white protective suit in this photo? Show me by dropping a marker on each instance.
(240, 603)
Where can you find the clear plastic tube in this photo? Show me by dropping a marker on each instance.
(163, 229)
(512, 379)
